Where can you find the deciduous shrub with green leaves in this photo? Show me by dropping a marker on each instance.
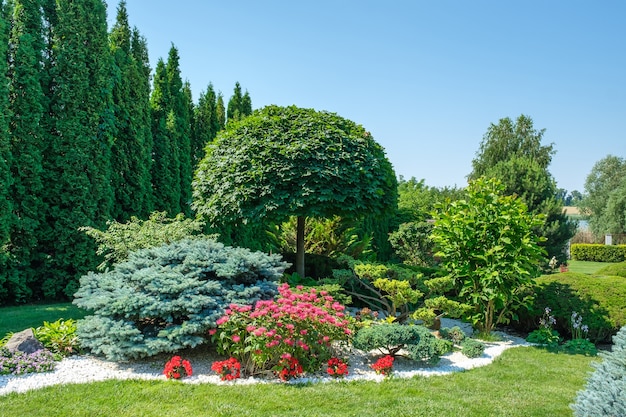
(166, 298)
(59, 337)
(598, 252)
(598, 299)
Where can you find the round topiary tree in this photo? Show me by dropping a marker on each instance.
(289, 161)
(166, 298)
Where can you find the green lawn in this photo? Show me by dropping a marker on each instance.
(523, 382)
(18, 318)
(586, 267)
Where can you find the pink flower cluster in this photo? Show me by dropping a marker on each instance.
(301, 324)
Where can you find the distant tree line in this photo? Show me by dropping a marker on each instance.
(86, 137)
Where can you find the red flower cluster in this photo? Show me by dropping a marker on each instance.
(177, 368)
(288, 367)
(384, 365)
(228, 370)
(337, 368)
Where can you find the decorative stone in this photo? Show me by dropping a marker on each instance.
(24, 341)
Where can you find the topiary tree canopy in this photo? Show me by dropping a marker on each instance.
(288, 161)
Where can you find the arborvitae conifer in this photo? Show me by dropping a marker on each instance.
(206, 124)
(233, 113)
(5, 156)
(166, 166)
(220, 110)
(76, 160)
(130, 176)
(27, 140)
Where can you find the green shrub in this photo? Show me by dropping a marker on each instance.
(165, 299)
(543, 336)
(388, 338)
(472, 348)
(598, 299)
(617, 270)
(579, 347)
(59, 337)
(429, 349)
(455, 334)
(598, 252)
(605, 391)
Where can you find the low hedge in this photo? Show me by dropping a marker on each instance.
(616, 270)
(598, 252)
(598, 299)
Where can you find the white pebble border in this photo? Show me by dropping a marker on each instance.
(83, 369)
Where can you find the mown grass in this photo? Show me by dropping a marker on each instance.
(586, 267)
(18, 318)
(524, 382)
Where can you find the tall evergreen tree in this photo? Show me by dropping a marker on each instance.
(76, 161)
(140, 95)
(220, 110)
(239, 105)
(179, 127)
(27, 103)
(130, 169)
(206, 125)
(5, 156)
(166, 165)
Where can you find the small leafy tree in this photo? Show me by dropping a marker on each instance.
(287, 161)
(487, 245)
(120, 239)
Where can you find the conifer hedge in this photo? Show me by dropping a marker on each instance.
(166, 298)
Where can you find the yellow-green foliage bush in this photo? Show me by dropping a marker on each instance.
(618, 270)
(598, 252)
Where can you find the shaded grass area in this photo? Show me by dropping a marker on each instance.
(586, 267)
(524, 381)
(18, 318)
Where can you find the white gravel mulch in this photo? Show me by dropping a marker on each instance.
(82, 369)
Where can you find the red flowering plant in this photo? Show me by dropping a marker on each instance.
(288, 367)
(177, 368)
(228, 370)
(383, 365)
(337, 368)
(303, 324)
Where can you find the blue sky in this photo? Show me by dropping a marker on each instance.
(426, 78)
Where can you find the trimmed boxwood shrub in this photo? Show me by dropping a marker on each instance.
(472, 348)
(598, 252)
(598, 299)
(617, 270)
(167, 298)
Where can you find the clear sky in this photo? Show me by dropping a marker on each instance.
(426, 78)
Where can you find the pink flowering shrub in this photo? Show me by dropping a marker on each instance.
(302, 325)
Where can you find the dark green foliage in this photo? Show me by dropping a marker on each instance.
(412, 243)
(77, 176)
(598, 252)
(579, 347)
(239, 106)
(317, 266)
(27, 102)
(598, 299)
(165, 299)
(130, 150)
(6, 218)
(544, 336)
(388, 338)
(605, 392)
(429, 349)
(512, 152)
(455, 334)
(166, 165)
(618, 269)
(206, 124)
(472, 348)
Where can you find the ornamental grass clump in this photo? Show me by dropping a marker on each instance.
(304, 325)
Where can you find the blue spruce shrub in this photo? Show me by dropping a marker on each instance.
(166, 298)
(605, 392)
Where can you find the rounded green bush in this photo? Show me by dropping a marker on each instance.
(472, 348)
(598, 299)
(617, 270)
(389, 338)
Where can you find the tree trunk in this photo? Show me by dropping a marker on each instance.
(300, 246)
